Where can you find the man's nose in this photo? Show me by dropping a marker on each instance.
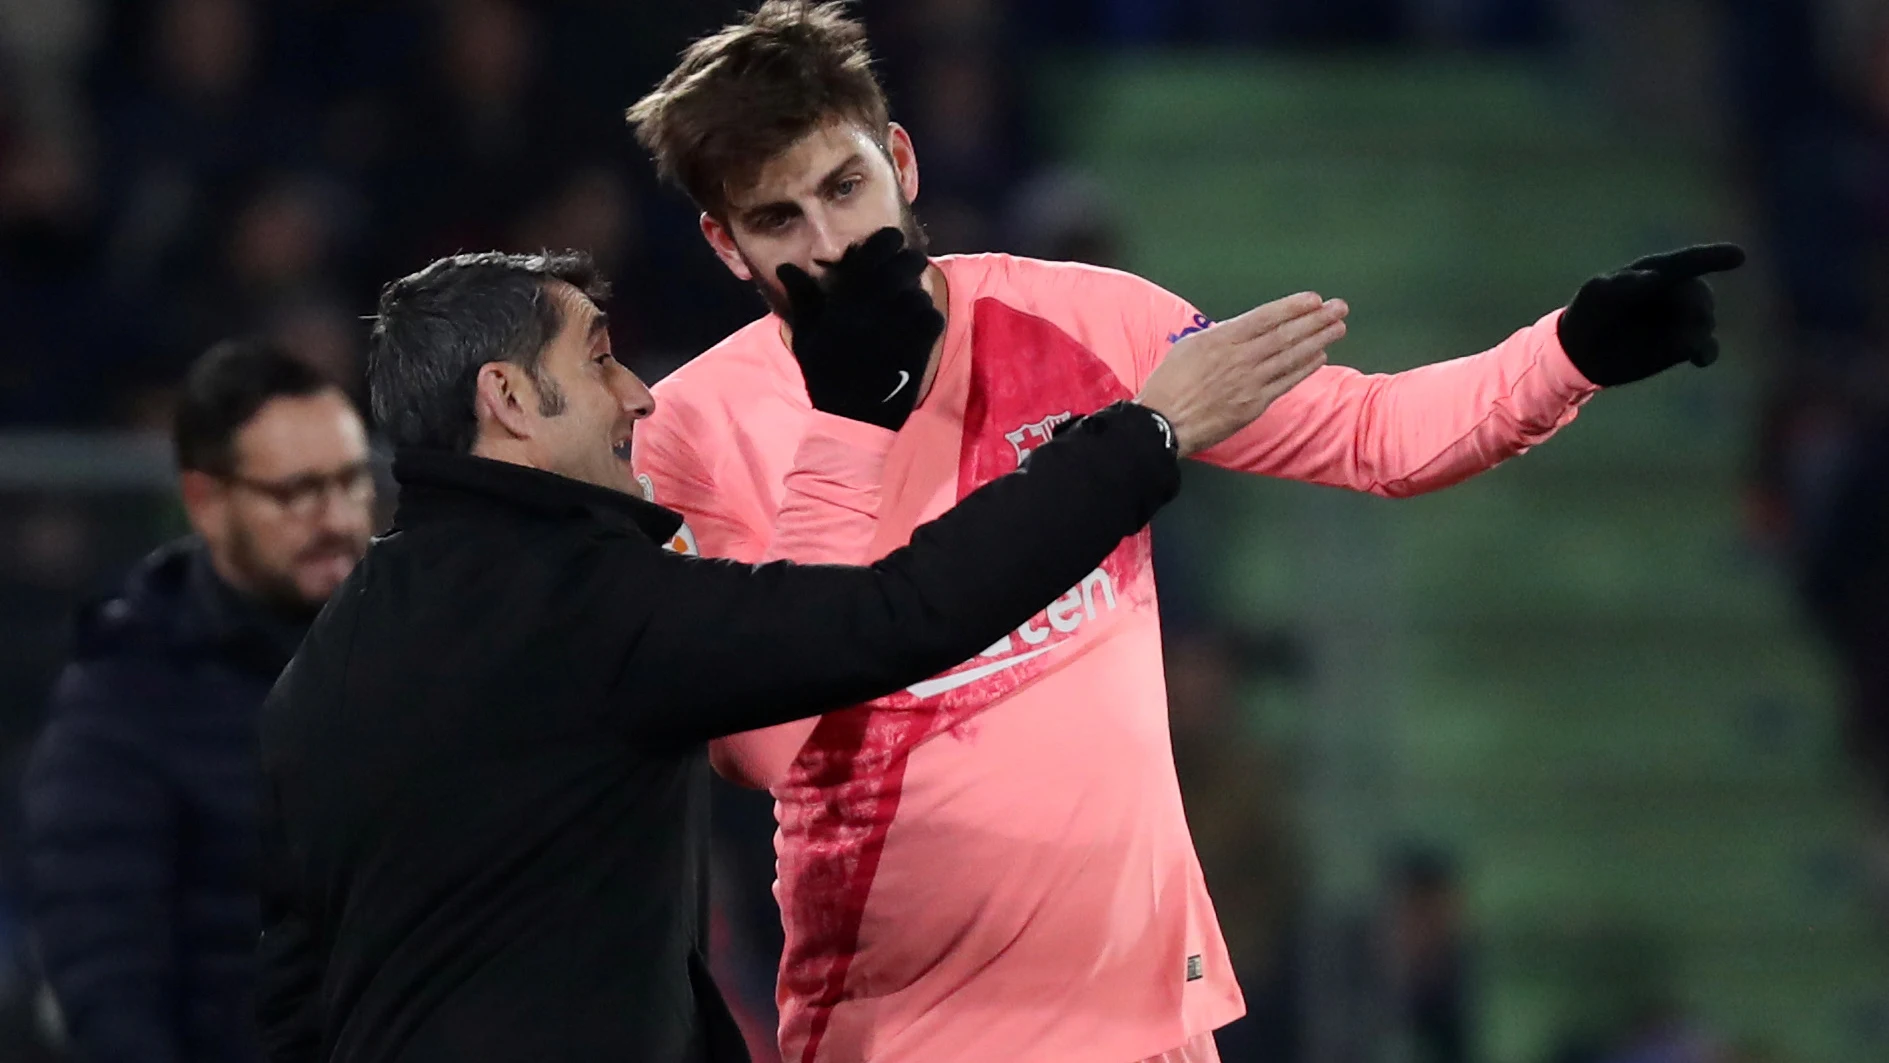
(634, 396)
(343, 511)
(828, 242)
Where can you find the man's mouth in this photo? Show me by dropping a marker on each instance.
(330, 564)
(621, 448)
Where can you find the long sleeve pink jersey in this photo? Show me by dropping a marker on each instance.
(957, 884)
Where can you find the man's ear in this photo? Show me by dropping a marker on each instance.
(206, 504)
(723, 243)
(502, 400)
(898, 145)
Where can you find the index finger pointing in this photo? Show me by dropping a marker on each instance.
(1695, 261)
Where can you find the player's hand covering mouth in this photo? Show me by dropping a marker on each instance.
(863, 332)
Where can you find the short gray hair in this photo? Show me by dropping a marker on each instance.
(437, 327)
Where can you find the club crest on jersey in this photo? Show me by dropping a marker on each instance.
(1034, 435)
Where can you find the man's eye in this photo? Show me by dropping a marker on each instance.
(846, 188)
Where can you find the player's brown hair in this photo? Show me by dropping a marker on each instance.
(746, 93)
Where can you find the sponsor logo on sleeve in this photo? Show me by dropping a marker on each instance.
(1201, 324)
(683, 541)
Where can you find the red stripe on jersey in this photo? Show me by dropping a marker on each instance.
(1027, 375)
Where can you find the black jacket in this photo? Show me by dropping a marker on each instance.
(486, 781)
(141, 817)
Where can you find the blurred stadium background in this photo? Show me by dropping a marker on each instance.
(1587, 760)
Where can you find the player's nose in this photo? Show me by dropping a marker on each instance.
(828, 245)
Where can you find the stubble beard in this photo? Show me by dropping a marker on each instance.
(776, 298)
(276, 590)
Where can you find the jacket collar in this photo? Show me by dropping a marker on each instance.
(436, 484)
(175, 601)
(246, 629)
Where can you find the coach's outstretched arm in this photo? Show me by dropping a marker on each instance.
(732, 647)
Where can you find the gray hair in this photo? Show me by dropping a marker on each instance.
(437, 327)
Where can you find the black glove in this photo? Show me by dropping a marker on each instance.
(863, 335)
(1649, 317)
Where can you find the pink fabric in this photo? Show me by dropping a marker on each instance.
(1200, 1049)
(958, 884)
(829, 502)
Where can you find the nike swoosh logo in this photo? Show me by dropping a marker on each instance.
(905, 377)
(970, 675)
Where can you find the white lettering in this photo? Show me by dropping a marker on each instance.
(1065, 613)
(1063, 616)
(1033, 635)
(1097, 579)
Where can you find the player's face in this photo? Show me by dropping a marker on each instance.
(294, 516)
(587, 402)
(833, 188)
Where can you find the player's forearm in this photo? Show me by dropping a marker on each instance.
(829, 510)
(830, 498)
(1403, 434)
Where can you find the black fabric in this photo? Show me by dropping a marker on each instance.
(1630, 324)
(863, 334)
(142, 821)
(486, 778)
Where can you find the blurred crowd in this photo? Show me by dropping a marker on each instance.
(1811, 111)
(173, 172)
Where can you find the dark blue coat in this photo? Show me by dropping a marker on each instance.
(142, 821)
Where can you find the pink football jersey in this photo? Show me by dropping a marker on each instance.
(959, 884)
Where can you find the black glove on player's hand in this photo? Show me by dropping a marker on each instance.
(1648, 317)
(863, 334)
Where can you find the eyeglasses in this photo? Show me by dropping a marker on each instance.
(305, 496)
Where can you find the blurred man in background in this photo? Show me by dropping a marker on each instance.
(1075, 888)
(141, 796)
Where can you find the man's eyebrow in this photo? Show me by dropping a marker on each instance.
(833, 175)
(598, 322)
(754, 213)
(755, 210)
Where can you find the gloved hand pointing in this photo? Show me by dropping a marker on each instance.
(1657, 312)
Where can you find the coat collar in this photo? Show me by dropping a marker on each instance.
(436, 483)
(174, 601)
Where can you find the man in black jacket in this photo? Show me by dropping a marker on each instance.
(485, 775)
(141, 794)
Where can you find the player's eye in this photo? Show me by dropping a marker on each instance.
(846, 187)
